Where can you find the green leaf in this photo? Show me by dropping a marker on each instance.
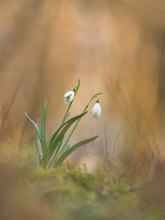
(37, 149)
(73, 148)
(59, 135)
(35, 126)
(78, 85)
(66, 115)
(56, 133)
(43, 136)
(65, 147)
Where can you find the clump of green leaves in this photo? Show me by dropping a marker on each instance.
(52, 154)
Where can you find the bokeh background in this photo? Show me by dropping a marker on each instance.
(114, 46)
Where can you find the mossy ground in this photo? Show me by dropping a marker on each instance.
(76, 194)
(70, 193)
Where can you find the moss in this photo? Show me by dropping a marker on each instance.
(91, 196)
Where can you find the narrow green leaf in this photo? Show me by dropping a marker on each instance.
(67, 115)
(78, 86)
(57, 142)
(73, 148)
(43, 120)
(64, 148)
(65, 127)
(43, 136)
(35, 126)
(37, 135)
(37, 149)
(56, 133)
(53, 156)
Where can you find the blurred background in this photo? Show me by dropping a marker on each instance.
(114, 46)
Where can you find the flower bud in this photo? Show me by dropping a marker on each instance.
(96, 110)
(68, 97)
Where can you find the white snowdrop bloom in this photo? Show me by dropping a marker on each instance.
(68, 97)
(96, 110)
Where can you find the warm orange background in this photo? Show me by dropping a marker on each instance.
(116, 47)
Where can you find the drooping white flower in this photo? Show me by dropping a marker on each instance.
(96, 110)
(68, 97)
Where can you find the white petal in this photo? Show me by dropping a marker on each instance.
(96, 111)
(68, 97)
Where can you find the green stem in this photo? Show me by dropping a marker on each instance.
(66, 114)
(67, 111)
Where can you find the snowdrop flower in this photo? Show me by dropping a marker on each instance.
(96, 110)
(68, 97)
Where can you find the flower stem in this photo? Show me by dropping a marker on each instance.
(66, 114)
(67, 111)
